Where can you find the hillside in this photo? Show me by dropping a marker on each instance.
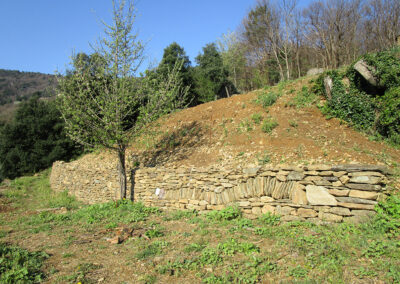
(229, 131)
(17, 86)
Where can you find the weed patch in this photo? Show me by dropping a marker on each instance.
(20, 266)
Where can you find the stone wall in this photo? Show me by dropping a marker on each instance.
(316, 192)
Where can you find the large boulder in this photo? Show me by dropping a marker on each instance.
(367, 72)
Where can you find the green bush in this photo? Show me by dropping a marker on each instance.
(267, 99)
(387, 219)
(389, 118)
(268, 125)
(229, 213)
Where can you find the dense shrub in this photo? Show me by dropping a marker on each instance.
(368, 108)
(34, 140)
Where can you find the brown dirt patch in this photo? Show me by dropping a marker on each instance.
(223, 132)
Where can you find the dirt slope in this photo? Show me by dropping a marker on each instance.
(224, 132)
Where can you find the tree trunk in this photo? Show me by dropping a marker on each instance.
(122, 172)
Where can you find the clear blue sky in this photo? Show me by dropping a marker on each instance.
(40, 35)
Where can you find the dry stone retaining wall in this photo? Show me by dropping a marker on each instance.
(316, 192)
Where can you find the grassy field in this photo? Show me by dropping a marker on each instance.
(52, 238)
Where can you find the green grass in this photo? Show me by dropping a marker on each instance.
(186, 246)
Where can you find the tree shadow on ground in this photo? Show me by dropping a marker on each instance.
(174, 146)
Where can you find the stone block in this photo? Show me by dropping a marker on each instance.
(372, 195)
(357, 174)
(367, 187)
(194, 202)
(329, 217)
(244, 204)
(355, 200)
(337, 183)
(326, 173)
(256, 211)
(268, 209)
(251, 171)
(344, 179)
(322, 182)
(203, 203)
(281, 178)
(339, 192)
(183, 201)
(363, 213)
(290, 218)
(298, 195)
(266, 199)
(318, 168)
(284, 210)
(339, 174)
(356, 206)
(313, 178)
(311, 173)
(319, 195)
(366, 179)
(295, 176)
(340, 211)
(306, 213)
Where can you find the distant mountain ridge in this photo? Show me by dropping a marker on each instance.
(18, 86)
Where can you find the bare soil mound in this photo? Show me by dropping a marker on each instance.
(230, 131)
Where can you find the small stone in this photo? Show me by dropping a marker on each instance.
(372, 195)
(344, 179)
(194, 202)
(311, 173)
(227, 185)
(318, 195)
(183, 201)
(115, 240)
(330, 217)
(306, 213)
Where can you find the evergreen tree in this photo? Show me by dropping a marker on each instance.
(211, 76)
(34, 140)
